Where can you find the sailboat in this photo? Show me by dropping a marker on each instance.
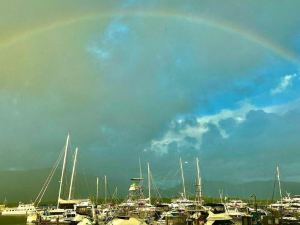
(53, 214)
(68, 210)
(183, 209)
(75, 210)
(280, 204)
(183, 202)
(288, 207)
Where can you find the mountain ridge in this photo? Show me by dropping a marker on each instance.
(24, 186)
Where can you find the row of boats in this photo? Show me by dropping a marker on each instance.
(137, 210)
(140, 210)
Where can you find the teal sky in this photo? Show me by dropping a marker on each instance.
(155, 79)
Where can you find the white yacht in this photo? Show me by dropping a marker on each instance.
(289, 203)
(181, 203)
(237, 209)
(69, 211)
(21, 210)
(236, 203)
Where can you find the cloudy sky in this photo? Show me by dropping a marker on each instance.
(155, 79)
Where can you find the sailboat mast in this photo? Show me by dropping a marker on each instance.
(141, 174)
(73, 172)
(105, 189)
(182, 177)
(199, 183)
(221, 195)
(63, 169)
(279, 184)
(149, 183)
(97, 191)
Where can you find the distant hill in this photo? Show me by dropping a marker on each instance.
(24, 186)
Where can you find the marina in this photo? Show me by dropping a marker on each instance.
(139, 211)
(149, 112)
(140, 208)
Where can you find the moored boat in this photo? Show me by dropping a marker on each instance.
(20, 210)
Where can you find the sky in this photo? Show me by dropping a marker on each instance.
(153, 79)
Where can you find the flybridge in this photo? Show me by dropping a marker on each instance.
(70, 204)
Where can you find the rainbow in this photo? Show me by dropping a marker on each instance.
(224, 26)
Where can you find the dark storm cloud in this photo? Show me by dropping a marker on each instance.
(117, 83)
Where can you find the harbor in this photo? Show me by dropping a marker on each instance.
(149, 112)
(139, 207)
(140, 210)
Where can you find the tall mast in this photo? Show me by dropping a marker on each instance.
(97, 191)
(141, 174)
(198, 184)
(182, 177)
(221, 195)
(149, 183)
(105, 189)
(73, 172)
(279, 184)
(63, 170)
(115, 194)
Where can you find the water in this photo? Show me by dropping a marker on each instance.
(12, 220)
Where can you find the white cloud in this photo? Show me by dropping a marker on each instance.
(180, 129)
(196, 131)
(283, 108)
(284, 83)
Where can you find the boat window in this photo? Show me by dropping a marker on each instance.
(84, 210)
(223, 222)
(66, 206)
(55, 213)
